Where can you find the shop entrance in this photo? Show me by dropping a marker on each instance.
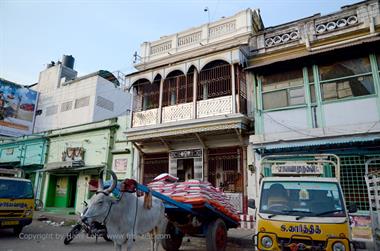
(61, 191)
(185, 169)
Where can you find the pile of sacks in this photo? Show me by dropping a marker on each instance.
(194, 192)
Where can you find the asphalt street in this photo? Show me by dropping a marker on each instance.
(40, 236)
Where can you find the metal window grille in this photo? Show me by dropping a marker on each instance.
(82, 102)
(352, 170)
(51, 110)
(66, 106)
(154, 165)
(104, 103)
(214, 82)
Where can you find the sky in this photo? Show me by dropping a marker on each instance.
(104, 34)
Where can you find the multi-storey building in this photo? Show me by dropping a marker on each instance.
(191, 105)
(317, 90)
(67, 100)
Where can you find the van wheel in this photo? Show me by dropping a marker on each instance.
(17, 230)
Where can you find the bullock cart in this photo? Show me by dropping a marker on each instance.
(201, 220)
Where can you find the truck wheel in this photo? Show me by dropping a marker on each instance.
(216, 236)
(174, 241)
(17, 230)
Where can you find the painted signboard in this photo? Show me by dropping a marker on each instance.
(297, 168)
(17, 109)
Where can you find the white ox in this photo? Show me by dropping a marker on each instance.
(126, 217)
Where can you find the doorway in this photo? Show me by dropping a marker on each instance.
(185, 169)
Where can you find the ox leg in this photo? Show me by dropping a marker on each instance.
(129, 244)
(117, 246)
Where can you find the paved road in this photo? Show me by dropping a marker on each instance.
(40, 236)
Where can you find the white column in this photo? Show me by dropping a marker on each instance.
(195, 78)
(159, 119)
(233, 88)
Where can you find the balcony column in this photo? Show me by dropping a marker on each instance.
(159, 114)
(195, 80)
(233, 88)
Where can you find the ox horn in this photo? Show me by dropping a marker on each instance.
(113, 185)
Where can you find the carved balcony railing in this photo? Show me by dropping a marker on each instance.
(214, 107)
(177, 112)
(183, 112)
(228, 29)
(144, 118)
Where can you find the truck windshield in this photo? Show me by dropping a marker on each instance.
(15, 189)
(301, 198)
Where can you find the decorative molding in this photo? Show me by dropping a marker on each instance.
(161, 48)
(222, 29)
(283, 38)
(336, 24)
(214, 107)
(177, 112)
(189, 39)
(144, 118)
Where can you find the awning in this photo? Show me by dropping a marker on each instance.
(10, 164)
(366, 140)
(72, 169)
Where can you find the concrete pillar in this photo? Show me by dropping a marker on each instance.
(195, 80)
(245, 180)
(233, 88)
(205, 164)
(159, 119)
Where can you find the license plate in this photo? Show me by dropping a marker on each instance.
(9, 223)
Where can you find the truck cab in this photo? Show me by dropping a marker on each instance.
(299, 209)
(16, 203)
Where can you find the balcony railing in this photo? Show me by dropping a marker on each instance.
(145, 118)
(177, 112)
(226, 28)
(181, 112)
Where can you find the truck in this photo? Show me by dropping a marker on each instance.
(16, 201)
(298, 207)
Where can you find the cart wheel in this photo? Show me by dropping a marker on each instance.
(216, 236)
(174, 241)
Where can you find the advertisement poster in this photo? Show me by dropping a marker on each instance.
(17, 109)
(361, 227)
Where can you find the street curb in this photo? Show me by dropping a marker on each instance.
(44, 216)
(242, 242)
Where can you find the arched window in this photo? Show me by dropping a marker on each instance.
(214, 80)
(176, 89)
(146, 94)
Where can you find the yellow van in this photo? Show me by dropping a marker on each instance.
(16, 203)
(302, 213)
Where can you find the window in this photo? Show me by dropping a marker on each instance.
(51, 110)
(378, 61)
(146, 95)
(346, 78)
(66, 106)
(283, 89)
(82, 102)
(104, 103)
(214, 80)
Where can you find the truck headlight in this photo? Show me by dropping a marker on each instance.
(267, 242)
(339, 246)
(28, 212)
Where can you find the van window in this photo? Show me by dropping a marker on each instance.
(16, 189)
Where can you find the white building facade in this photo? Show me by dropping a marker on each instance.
(190, 105)
(67, 100)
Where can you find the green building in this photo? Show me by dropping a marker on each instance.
(76, 155)
(27, 153)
